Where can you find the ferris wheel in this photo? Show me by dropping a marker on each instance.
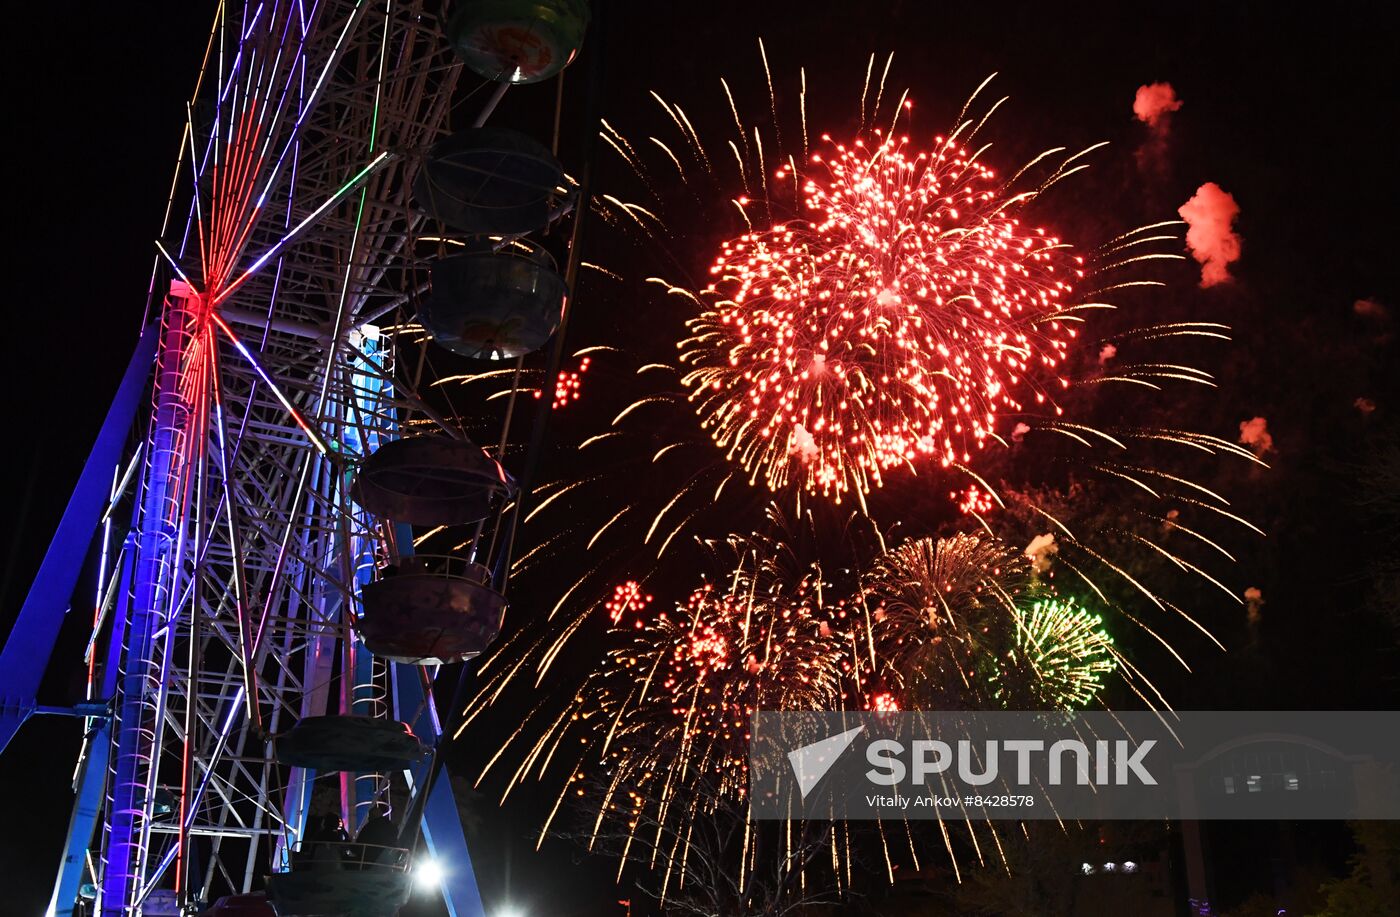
(260, 714)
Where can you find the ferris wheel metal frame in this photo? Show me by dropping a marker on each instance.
(230, 549)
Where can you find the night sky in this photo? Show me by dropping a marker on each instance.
(1292, 113)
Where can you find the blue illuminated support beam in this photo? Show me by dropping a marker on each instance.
(447, 844)
(91, 778)
(31, 640)
(442, 820)
(92, 770)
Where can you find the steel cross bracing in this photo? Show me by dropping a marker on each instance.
(272, 380)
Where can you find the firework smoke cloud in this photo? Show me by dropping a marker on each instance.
(1210, 235)
(1254, 602)
(1255, 434)
(1371, 310)
(1040, 551)
(1154, 104)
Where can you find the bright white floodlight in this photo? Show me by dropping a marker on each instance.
(427, 874)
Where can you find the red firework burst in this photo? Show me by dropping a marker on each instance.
(895, 321)
(884, 702)
(568, 386)
(627, 598)
(973, 500)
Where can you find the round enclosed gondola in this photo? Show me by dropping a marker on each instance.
(494, 304)
(341, 878)
(431, 480)
(490, 180)
(348, 743)
(431, 610)
(518, 41)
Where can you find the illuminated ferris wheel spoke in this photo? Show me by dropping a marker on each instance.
(379, 162)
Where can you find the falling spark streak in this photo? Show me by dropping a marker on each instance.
(523, 561)
(1176, 525)
(1215, 509)
(604, 527)
(1127, 477)
(865, 88)
(598, 438)
(1183, 481)
(680, 170)
(626, 156)
(743, 175)
(1147, 593)
(802, 111)
(1198, 625)
(1186, 565)
(699, 147)
(572, 485)
(881, 91)
(772, 103)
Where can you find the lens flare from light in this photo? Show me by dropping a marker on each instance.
(428, 874)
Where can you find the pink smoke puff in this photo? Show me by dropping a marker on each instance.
(1371, 310)
(1041, 552)
(1154, 102)
(1255, 434)
(1209, 217)
(1254, 601)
